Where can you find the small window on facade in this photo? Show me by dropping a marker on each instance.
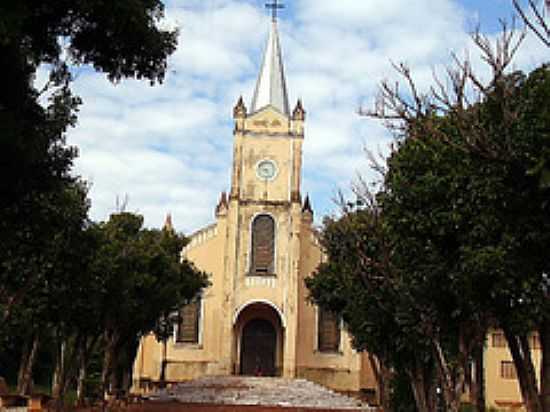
(263, 246)
(328, 331)
(507, 370)
(499, 340)
(188, 327)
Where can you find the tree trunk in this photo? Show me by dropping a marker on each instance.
(66, 367)
(24, 377)
(478, 384)
(521, 354)
(383, 375)
(127, 379)
(544, 336)
(109, 359)
(86, 347)
(81, 380)
(419, 393)
(162, 377)
(452, 381)
(422, 387)
(59, 371)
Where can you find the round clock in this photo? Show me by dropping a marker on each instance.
(266, 169)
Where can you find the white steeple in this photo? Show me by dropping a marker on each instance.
(271, 83)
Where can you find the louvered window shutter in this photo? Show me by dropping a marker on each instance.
(188, 330)
(263, 245)
(329, 331)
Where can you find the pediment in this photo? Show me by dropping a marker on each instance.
(268, 120)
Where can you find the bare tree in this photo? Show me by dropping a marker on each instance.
(536, 22)
(458, 94)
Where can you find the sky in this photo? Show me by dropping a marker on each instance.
(168, 148)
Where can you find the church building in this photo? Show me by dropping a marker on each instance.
(255, 319)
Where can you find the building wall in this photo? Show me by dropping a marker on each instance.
(343, 370)
(502, 392)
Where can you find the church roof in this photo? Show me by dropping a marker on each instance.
(271, 83)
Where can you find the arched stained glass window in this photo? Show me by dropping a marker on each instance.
(263, 246)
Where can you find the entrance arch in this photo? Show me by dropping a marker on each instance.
(259, 336)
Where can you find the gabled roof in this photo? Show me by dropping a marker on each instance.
(271, 84)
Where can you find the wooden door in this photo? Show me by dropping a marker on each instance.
(258, 345)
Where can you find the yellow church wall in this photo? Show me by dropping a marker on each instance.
(342, 370)
(147, 362)
(257, 149)
(186, 361)
(192, 360)
(267, 135)
(272, 288)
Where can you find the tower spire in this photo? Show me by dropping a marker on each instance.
(271, 84)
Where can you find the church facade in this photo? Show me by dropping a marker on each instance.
(255, 319)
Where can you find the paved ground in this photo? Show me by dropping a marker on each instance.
(267, 393)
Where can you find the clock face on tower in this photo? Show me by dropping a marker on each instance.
(266, 169)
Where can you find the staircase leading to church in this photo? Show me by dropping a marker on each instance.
(253, 394)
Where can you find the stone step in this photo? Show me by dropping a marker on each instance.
(255, 391)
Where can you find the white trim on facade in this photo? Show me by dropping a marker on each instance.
(262, 301)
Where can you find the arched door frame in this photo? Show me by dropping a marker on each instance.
(278, 322)
(259, 301)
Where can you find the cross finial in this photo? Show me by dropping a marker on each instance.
(275, 7)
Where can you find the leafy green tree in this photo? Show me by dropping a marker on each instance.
(122, 39)
(54, 260)
(464, 220)
(468, 183)
(361, 283)
(142, 278)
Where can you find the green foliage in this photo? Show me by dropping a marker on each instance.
(120, 38)
(456, 239)
(62, 279)
(140, 276)
(140, 279)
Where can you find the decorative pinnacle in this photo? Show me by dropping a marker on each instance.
(222, 204)
(299, 113)
(240, 109)
(306, 208)
(275, 7)
(168, 226)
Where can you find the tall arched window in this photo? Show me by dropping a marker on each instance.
(263, 246)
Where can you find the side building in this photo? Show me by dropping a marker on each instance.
(255, 318)
(502, 389)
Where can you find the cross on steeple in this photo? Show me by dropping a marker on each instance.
(275, 7)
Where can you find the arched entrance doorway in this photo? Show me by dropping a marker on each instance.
(259, 335)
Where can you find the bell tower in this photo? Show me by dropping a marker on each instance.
(264, 209)
(267, 156)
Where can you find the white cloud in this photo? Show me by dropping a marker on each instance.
(169, 147)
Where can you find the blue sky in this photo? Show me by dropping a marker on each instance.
(168, 148)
